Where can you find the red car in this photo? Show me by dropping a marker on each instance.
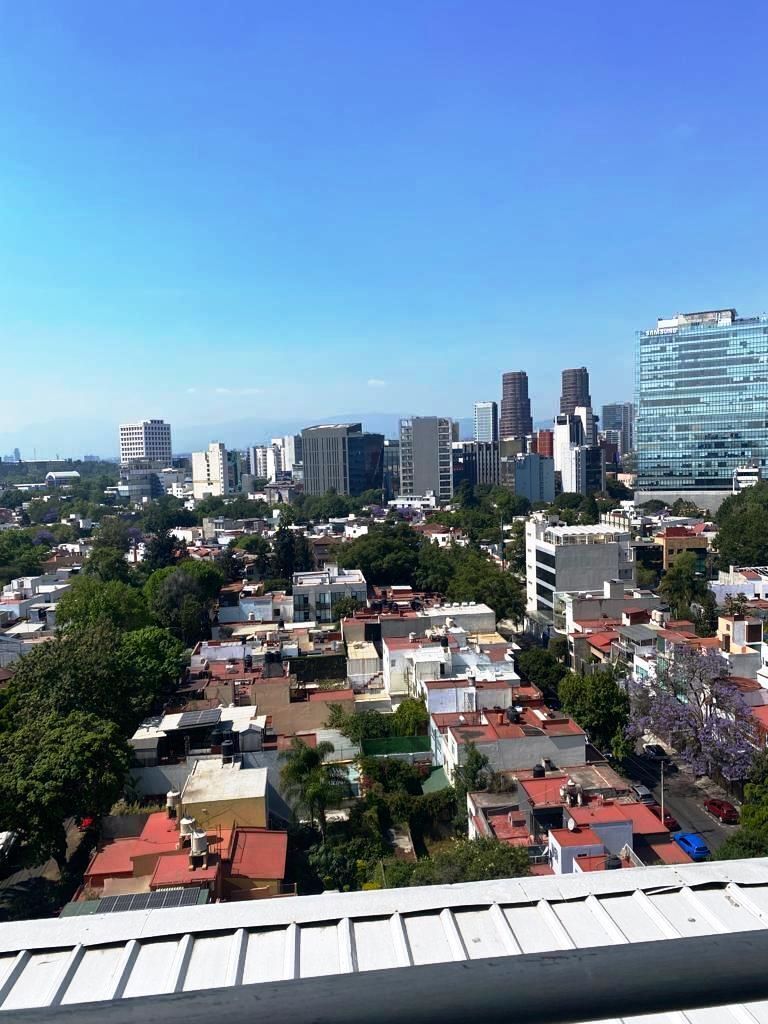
(670, 820)
(724, 811)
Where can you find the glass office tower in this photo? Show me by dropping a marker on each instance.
(702, 400)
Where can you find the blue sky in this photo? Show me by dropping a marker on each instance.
(261, 211)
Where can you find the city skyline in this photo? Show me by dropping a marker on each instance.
(288, 229)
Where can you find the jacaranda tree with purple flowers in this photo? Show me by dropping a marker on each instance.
(694, 706)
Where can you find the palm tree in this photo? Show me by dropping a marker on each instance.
(310, 784)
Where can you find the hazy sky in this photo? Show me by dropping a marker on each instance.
(216, 211)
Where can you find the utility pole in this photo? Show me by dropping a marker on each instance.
(502, 544)
(662, 792)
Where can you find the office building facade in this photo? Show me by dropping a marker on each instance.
(215, 472)
(391, 469)
(486, 422)
(701, 396)
(534, 477)
(341, 457)
(426, 462)
(516, 420)
(620, 416)
(575, 390)
(148, 440)
(572, 558)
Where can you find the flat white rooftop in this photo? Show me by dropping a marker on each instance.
(212, 780)
(148, 952)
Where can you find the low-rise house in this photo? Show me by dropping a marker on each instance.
(679, 540)
(316, 593)
(519, 737)
(241, 862)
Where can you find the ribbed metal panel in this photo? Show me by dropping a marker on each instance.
(140, 953)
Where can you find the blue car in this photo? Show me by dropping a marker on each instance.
(693, 845)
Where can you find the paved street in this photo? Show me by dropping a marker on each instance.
(682, 797)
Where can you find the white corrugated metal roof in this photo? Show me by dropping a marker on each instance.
(91, 958)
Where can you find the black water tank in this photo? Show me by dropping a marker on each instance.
(612, 861)
(227, 751)
(539, 771)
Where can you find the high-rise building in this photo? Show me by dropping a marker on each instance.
(588, 422)
(544, 443)
(486, 422)
(516, 418)
(426, 456)
(148, 440)
(620, 416)
(581, 464)
(215, 472)
(257, 461)
(476, 462)
(340, 457)
(702, 381)
(391, 469)
(575, 390)
(534, 477)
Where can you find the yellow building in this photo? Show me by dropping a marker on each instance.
(677, 539)
(219, 795)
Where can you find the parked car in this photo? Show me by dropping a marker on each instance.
(655, 751)
(643, 794)
(669, 820)
(723, 810)
(692, 844)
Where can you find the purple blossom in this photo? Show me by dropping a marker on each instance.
(44, 537)
(696, 708)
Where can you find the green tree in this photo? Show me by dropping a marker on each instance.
(589, 511)
(310, 784)
(478, 579)
(411, 718)
(387, 554)
(682, 584)
(19, 556)
(161, 550)
(107, 564)
(260, 550)
(600, 705)
(474, 774)
(98, 669)
(156, 661)
(181, 598)
(515, 552)
(113, 533)
(55, 767)
(345, 607)
(472, 860)
(541, 668)
(89, 601)
(742, 519)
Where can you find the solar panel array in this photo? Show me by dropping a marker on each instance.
(192, 719)
(161, 899)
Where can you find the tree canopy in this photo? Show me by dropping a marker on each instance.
(57, 766)
(682, 584)
(600, 705)
(89, 601)
(703, 714)
(742, 519)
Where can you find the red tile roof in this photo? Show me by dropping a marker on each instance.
(579, 837)
(259, 853)
(174, 869)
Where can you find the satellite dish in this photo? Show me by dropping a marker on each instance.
(571, 825)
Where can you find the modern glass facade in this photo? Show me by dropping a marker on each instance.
(702, 400)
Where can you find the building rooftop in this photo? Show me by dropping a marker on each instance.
(575, 837)
(259, 853)
(91, 959)
(215, 781)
